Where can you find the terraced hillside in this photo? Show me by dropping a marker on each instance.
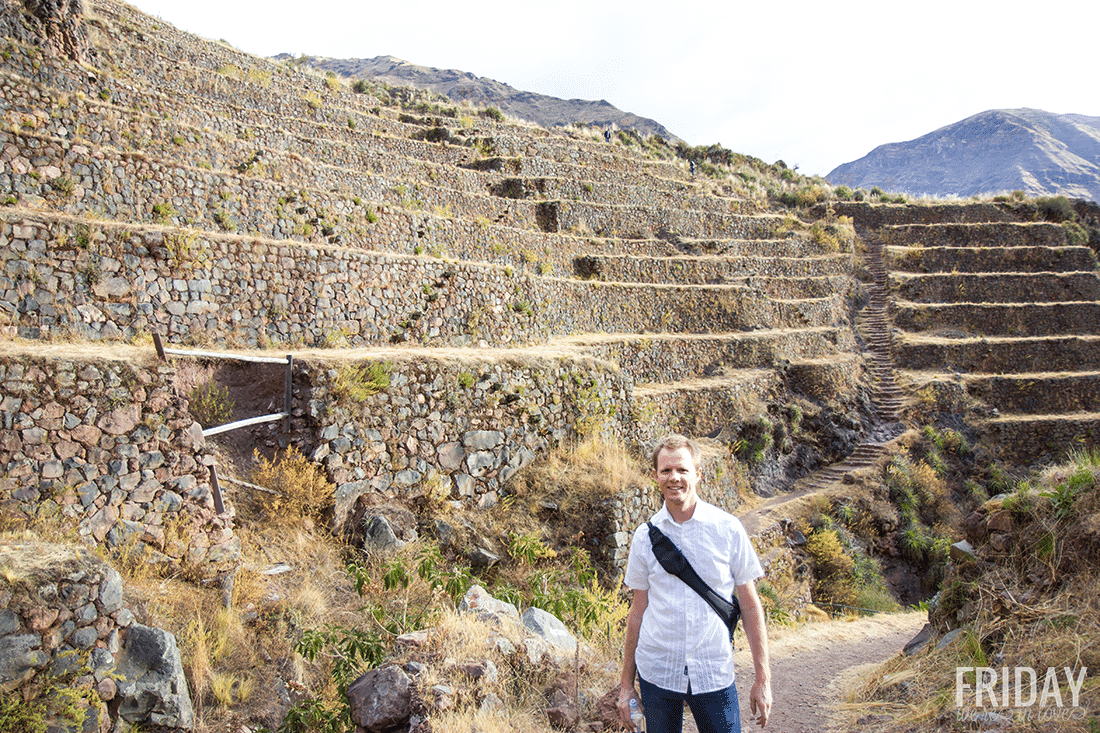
(996, 318)
(458, 293)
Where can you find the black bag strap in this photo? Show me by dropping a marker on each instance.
(673, 561)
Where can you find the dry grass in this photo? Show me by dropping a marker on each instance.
(573, 481)
(301, 488)
(234, 656)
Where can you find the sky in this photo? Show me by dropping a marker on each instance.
(815, 84)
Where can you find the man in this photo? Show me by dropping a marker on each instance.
(675, 642)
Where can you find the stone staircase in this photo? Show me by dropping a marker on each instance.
(887, 396)
(997, 318)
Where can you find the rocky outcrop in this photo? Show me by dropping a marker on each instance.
(484, 92)
(152, 684)
(536, 646)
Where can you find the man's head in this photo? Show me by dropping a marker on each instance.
(674, 442)
(674, 468)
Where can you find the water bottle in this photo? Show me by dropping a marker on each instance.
(636, 717)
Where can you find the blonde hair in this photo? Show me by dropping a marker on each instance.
(675, 442)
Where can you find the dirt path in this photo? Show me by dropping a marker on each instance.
(814, 665)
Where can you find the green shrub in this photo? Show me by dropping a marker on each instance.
(64, 186)
(357, 382)
(210, 404)
(1056, 209)
(164, 211)
(1075, 233)
(493, 113)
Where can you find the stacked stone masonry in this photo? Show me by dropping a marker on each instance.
(63, 620)
(267, 207)
(110, 447)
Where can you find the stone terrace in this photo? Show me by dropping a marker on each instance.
(523, 286)
(1003, 316)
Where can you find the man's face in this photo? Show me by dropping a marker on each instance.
(677, 478)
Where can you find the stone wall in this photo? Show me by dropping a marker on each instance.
(110, 447)
(462, 429)
(63, 620)
(449, 430)
(109, 281)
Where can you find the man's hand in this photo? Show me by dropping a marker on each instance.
(623, 704)
(760, 702)
(756, 632)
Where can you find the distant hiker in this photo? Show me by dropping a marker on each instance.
(676, 644)
(607, 135)
(692, 167)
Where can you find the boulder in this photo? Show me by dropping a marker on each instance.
(378, 535)
(548, 627)
(381, 699)
(962, 552)
(151, 683)
(478, 600)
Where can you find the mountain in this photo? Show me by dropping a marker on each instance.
(484, 92)
(999, 150)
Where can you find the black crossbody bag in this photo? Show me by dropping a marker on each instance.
(674, 563)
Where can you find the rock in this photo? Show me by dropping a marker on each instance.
(413, 638)
(107, 689)
(480, 462)
(121, 420)
(151, 682)
(607, 710)
(20, 658)
(446, 533)
(999, 521)
(949, 638)
(919, 642)
(490, 704)
(443, 697)
(378, 535)
(381, 699)
(478, 600)
(450, 456)
(1000, 542)
(962, 552)
(59, 25)
(482, 440)
(562, 712)
(482, 558)
(481, 671)
(548, 627)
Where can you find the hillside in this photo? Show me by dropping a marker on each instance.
(453, 336)
(480, 91)
(997, 151)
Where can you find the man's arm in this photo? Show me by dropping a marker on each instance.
(752, 613)
(626, 682)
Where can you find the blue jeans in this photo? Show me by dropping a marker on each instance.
(714, 712)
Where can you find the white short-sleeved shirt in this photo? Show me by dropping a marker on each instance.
(682, 638)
